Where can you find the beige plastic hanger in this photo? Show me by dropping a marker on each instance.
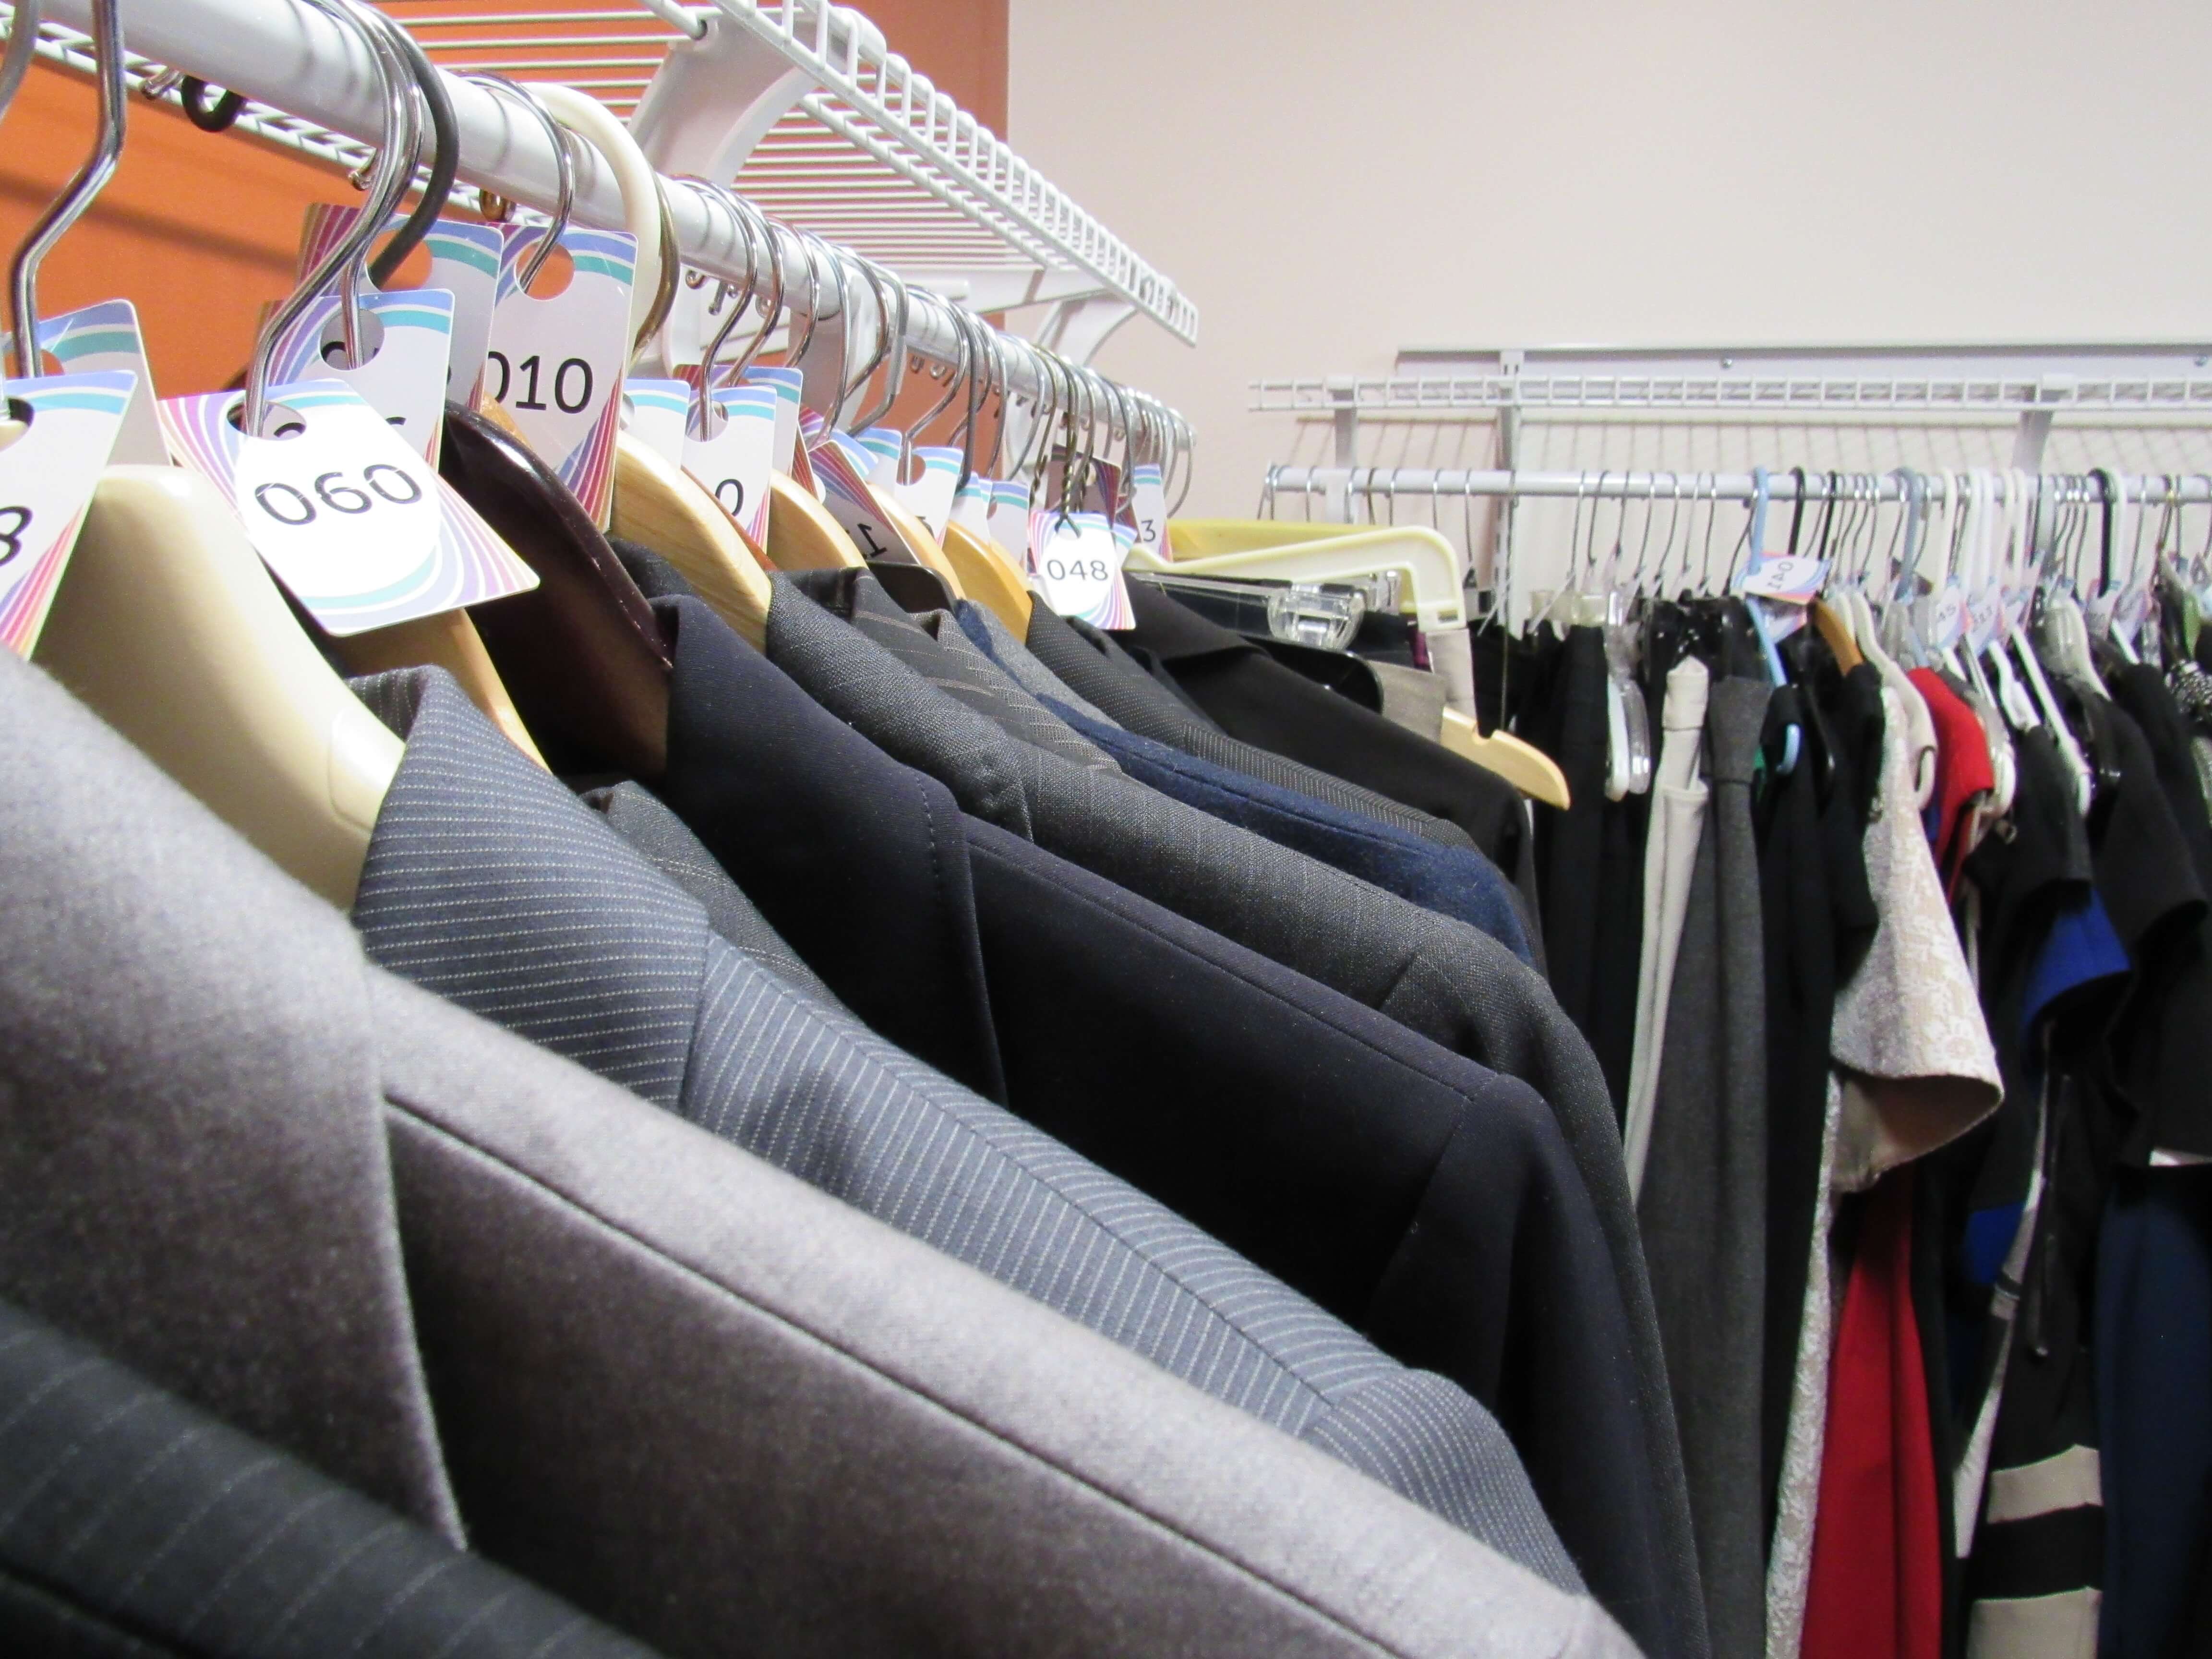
(168, 626)
(1522, 764)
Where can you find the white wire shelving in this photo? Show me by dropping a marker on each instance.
(804, 107)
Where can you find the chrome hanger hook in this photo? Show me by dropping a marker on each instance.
(90, 180)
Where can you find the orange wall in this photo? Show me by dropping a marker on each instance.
(201, 230)
(960, 45)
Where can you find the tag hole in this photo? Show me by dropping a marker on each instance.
(16, 425)
(278, 422)
(705, 422)
(554, 276)
(332, 349)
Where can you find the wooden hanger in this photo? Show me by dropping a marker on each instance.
(661, 507)
(581, 652)
(927, 550)
(801, 534)
(985, 573)
(1522, 764)
(1838, 634)
(168, 626)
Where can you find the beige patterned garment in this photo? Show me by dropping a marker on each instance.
(1908, 1038)
(1913, 1070)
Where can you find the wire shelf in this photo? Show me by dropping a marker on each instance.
(873, 158)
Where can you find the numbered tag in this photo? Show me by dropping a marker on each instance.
(556, 365)
(105, 339)
(1077, 560)
(47, 476)
(1943, 617)
(1148, 511)
(2132, 613)
(2015, 607)
(812, 430)
(884, 447)
(350, 518)
(2098, 608)
(408, 334)
(784, 383)
(1984, 610)
(734, 462)
(842, 462)
(464, 263)
(1781, 618)
(1010, 517)
(653, 413)
(1790, 578)
(929, 497)
(971, 508)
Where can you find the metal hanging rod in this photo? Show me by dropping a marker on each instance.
(317, 88)
(1367, 482)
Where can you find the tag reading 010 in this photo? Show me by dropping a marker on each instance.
(47, 476)
(349, 517)
(556, 364)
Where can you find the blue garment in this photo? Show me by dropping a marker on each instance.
(2154, 1347)
(1452, 881)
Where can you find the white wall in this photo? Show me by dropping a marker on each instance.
(1331, 182)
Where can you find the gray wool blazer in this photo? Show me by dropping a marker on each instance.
(709, 1405)
(1436, 975)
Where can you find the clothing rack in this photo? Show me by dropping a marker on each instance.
(313, 84)
(1365, 483)
(2030, 383)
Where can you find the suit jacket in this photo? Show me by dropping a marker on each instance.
(227, 1548)
(702, 1401)
(1428, 1202)
(1149, 701)
(1452, 881)
(487, 883)
(1257, 698)
(1092, 665)
(1435, 975)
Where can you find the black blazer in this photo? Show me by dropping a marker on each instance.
(1429, 1202)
